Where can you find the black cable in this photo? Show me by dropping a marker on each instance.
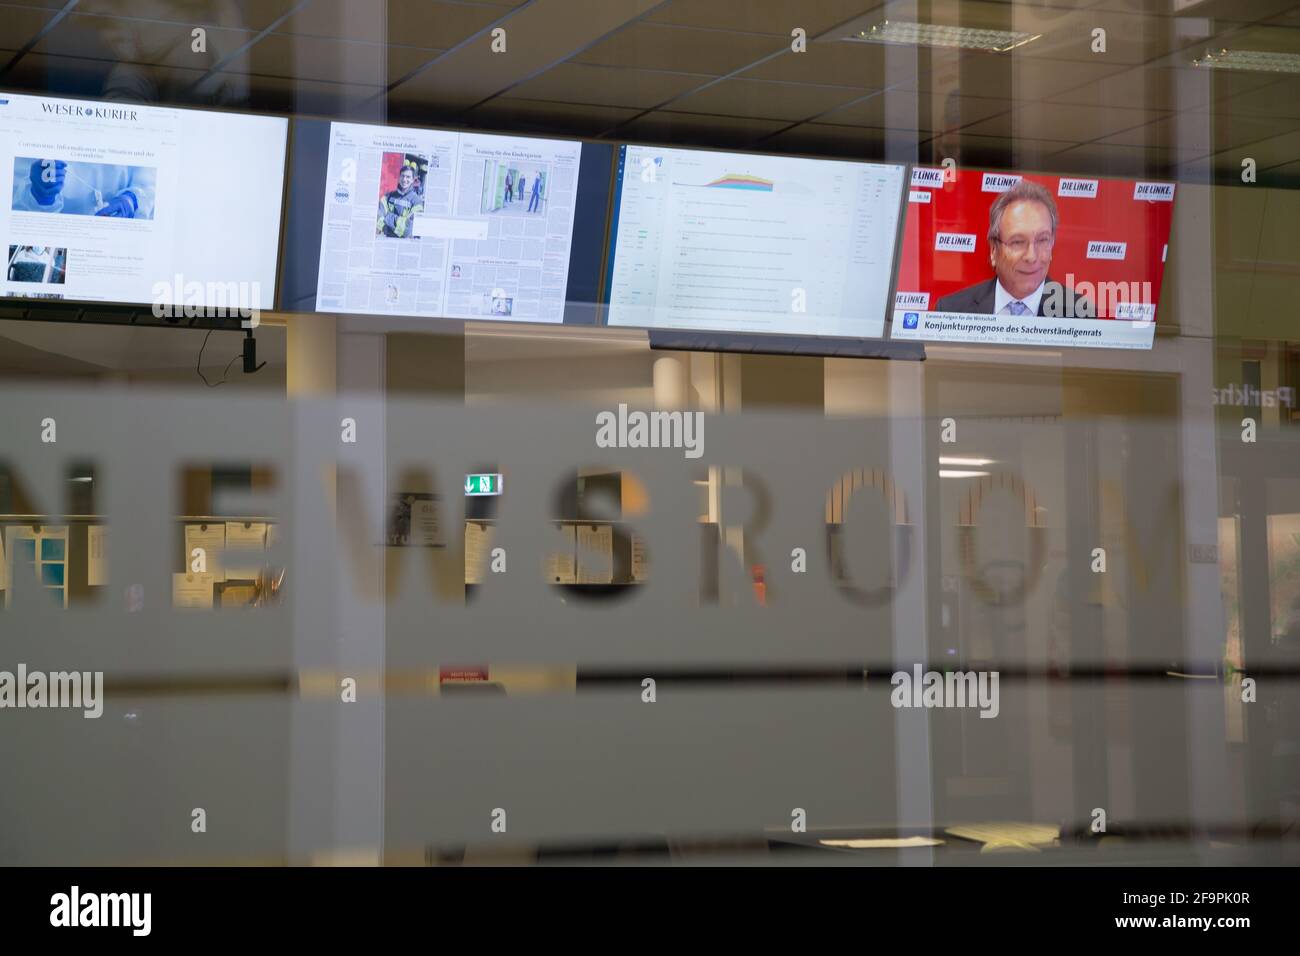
(198, 366)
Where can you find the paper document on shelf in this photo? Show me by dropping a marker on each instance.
(561, 565)
(478, 538)
(212, 539)
(243, 538)
(96, 556)
(595, 554)
(193, 590)
(424, 522)
(638, 558)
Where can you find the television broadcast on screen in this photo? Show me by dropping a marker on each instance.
(1022, 259)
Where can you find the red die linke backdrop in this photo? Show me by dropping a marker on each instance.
(1091, 210)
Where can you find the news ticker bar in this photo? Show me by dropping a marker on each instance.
(1022, 330)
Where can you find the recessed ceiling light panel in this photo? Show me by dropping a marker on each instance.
(938, 35)
(1259, 61)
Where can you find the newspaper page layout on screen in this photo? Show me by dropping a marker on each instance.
(444, 224)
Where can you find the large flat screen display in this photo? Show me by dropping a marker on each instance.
(444, 224)
(752, 243)
(1035, 260)
(115, 202)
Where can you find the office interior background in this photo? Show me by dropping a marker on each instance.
(1113, 530)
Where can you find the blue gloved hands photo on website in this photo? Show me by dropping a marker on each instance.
(83, 188)
(123, 205)
(47, 176)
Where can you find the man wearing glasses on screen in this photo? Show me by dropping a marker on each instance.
(1022, 234)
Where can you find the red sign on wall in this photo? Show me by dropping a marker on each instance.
(473, 672)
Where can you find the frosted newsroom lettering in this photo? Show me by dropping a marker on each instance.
(787, 463)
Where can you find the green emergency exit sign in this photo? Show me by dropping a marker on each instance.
(482, 485)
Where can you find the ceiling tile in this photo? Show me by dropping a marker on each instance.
(1212, 133)
(230, 14)
(907, 109)
(71, 76)
(318, 58)
(20, 26)
(1129, 40)
(1269, 153)
(1149, 7)
(139, 41)
(863, 66)
(443, 25)
(554, 118)
(1164, 88)
(1281, 98)
(402, 60)
(1099, 159)
(699, 129)
(604, 85)
(1190, 131)
(857, 142)
(58, 74)
(1288, 173)
(336, 18)
(1060, 121)
(472, 73)
(1289, 17)
(775, 17)
(651, 47)
(765, 99)
(1268, 38)
(1236, 10)
(994, 151)
(1021, 78)
(289, 95)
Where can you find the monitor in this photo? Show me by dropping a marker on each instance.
(1025, 259)
(123, 203)
(437, 223)
(739, 242)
